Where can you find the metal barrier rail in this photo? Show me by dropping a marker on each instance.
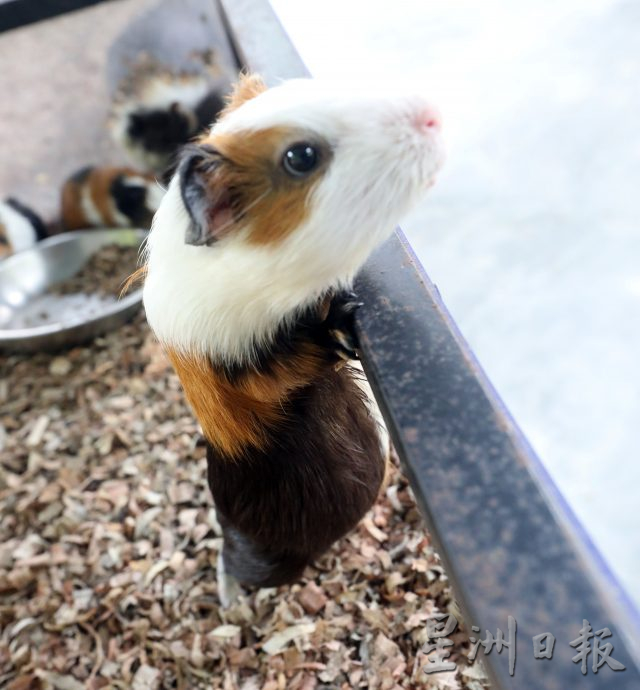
(510, 545)
(15, 13)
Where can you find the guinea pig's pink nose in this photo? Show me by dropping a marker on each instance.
(428, 118)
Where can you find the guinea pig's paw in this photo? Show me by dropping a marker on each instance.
(229, 589)
(340, 324)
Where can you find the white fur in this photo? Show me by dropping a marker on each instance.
(19, 231)
(229, 589)
(153, 197)
(90, 210)
(162, 91)
(155, 194)
(119, 219)
(224, 299)
(374, 410)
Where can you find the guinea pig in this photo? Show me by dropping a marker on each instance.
(249, 272)
(20, 227)
(104, 197)
(168, 73)
(151, 126)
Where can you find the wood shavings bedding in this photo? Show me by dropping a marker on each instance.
(108, 546)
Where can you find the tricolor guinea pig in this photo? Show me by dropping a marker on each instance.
(249, 273)
(104, 197)
(20, 227)
(168, 73)
(151, 126)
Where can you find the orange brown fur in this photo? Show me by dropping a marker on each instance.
(247, 87)
(5, 245)
(241, 413)
(98, 182)
(272, 206)
(73, 217)
(136, 277)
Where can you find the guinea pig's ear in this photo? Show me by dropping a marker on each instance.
(247, 87)
(205, 196)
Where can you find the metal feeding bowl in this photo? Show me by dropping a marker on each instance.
(32, 318)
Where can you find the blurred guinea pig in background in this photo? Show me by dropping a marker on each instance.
(20, 227)
(103, 197)
(168, 75)
(154, 122)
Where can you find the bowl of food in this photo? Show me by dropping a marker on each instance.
(66, 289)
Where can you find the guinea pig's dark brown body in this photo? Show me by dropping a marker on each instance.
(314, 464)
(309, 490)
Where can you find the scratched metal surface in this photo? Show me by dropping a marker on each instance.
(510, 544)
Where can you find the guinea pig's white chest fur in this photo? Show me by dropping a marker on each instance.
(226, 300)
(219, 301)
(290, 241)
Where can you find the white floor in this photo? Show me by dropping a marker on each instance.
(533, 231)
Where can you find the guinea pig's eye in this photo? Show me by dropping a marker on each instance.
(300, 159)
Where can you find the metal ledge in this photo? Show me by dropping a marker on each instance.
(16, 13)
(510, 544)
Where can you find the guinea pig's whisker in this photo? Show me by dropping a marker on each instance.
(143, 250)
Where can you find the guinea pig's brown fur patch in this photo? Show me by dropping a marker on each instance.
(137, 276)
(5, 246)
(264, 197)
(283, 507)
(240, 412)
(247, 87)
(98, 183)
(73, 216)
